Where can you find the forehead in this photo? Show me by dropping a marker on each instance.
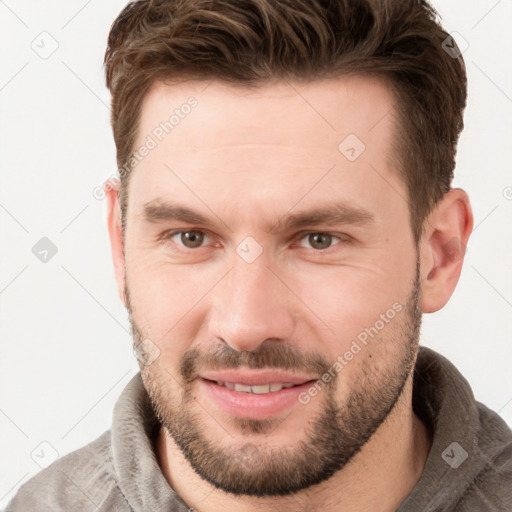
(320, 112)
(256, 140)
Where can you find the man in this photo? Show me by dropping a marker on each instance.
(284, 217)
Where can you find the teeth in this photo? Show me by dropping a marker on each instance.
(258, 390)
(242, 387)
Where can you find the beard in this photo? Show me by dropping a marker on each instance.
(330, 440)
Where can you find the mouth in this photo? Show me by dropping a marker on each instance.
(259, 389)
(256, 401)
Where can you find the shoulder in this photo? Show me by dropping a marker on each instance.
(492, 487)
(81, 480)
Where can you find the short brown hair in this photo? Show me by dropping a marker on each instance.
(249, 42)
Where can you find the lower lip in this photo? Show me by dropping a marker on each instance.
(252, 405)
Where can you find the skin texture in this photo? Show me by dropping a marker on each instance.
(246, 159)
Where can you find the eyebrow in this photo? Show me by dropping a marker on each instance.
(329, 215)
(157, 211)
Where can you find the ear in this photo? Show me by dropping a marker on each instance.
(111, 189)
(442, 248)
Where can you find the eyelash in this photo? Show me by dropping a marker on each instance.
(343, 238)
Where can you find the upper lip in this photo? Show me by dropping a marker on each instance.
(255, 377)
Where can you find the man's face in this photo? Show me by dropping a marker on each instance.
(294, 262)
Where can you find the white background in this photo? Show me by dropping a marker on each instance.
(65, 343)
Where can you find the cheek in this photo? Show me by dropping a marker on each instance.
(350, 299)
(366, 313)
(167, 300)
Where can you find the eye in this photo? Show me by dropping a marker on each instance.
(189, 239)
(319, 241)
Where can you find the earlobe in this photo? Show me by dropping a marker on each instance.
(116, 237)
(443, 247)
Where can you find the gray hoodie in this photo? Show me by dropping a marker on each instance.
(469, 468)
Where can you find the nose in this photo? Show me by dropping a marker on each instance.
(250, 306)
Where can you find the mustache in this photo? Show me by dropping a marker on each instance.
(272, 353)
(269, 354)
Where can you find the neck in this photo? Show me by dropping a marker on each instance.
(380, 476)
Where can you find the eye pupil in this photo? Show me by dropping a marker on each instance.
(320, 240)
(192, 239)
